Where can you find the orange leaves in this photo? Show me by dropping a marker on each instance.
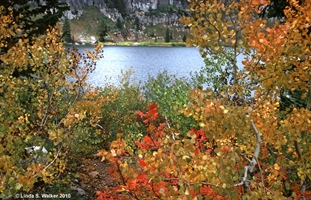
(298, 121)
(169, 167)
(214, 25)
(157, 172)
(259, 2)
(142, 178)
(264, 153)
(199, 140)
(148, 143)
(117, 148)
(207, 191)
(103, 195)
(103, 153)
(151, 114)
(131, 184)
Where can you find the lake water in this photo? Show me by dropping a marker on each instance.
(144, 61)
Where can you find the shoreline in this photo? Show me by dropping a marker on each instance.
(138, 44)
(151, 44)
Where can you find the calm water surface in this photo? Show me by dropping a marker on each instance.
(144, 61)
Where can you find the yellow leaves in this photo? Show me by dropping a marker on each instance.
(223, 108)
(102, 153)
(301, 173)
(201, 124)
(271, 178)
(38, 106)
(117, 148)
(24, 118)
(276, 167)
(80, 116)
(56, 136)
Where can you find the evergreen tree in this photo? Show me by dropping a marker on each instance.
(275, 9)
(110, 4)
(120, 6)
(31, 26)
(137, 24)
(102, 30)
(119, 24)
(167, 35)
(50, 11)
(67, 31)
(184, 38)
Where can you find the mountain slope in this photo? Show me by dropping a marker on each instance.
(141, 19)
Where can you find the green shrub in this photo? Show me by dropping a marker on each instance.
(171, 94)
(120, 116)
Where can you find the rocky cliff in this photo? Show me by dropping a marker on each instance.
(149, 12)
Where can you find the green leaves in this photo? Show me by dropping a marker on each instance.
(171, 94)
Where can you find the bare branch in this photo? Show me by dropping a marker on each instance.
(297, 148)
(258, 140)
(252, 163)
(99, 126)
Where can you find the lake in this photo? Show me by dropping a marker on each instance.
(144, 61)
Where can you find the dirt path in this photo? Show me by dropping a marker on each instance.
(93, 176)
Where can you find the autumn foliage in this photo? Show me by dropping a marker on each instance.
(242, 144)
(246, 146)
(41, 83)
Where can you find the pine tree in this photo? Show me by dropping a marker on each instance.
(167, 35)
(50, 11)
(184, 38)
(67, 31)
(119, 24)
(102, 30)
(120, 6)
(137, 24)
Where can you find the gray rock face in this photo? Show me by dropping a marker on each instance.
(142, 5)
(134, 8)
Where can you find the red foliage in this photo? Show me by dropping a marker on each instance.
(201, 136)
(138, 184)
(207, 191)
(148, 143)
(103, 195)
(142, 178)
(153, 111)
(151, 114)
(264, 152)
(131, 184)
(155, 130)
(141, 114)
(142, 163)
